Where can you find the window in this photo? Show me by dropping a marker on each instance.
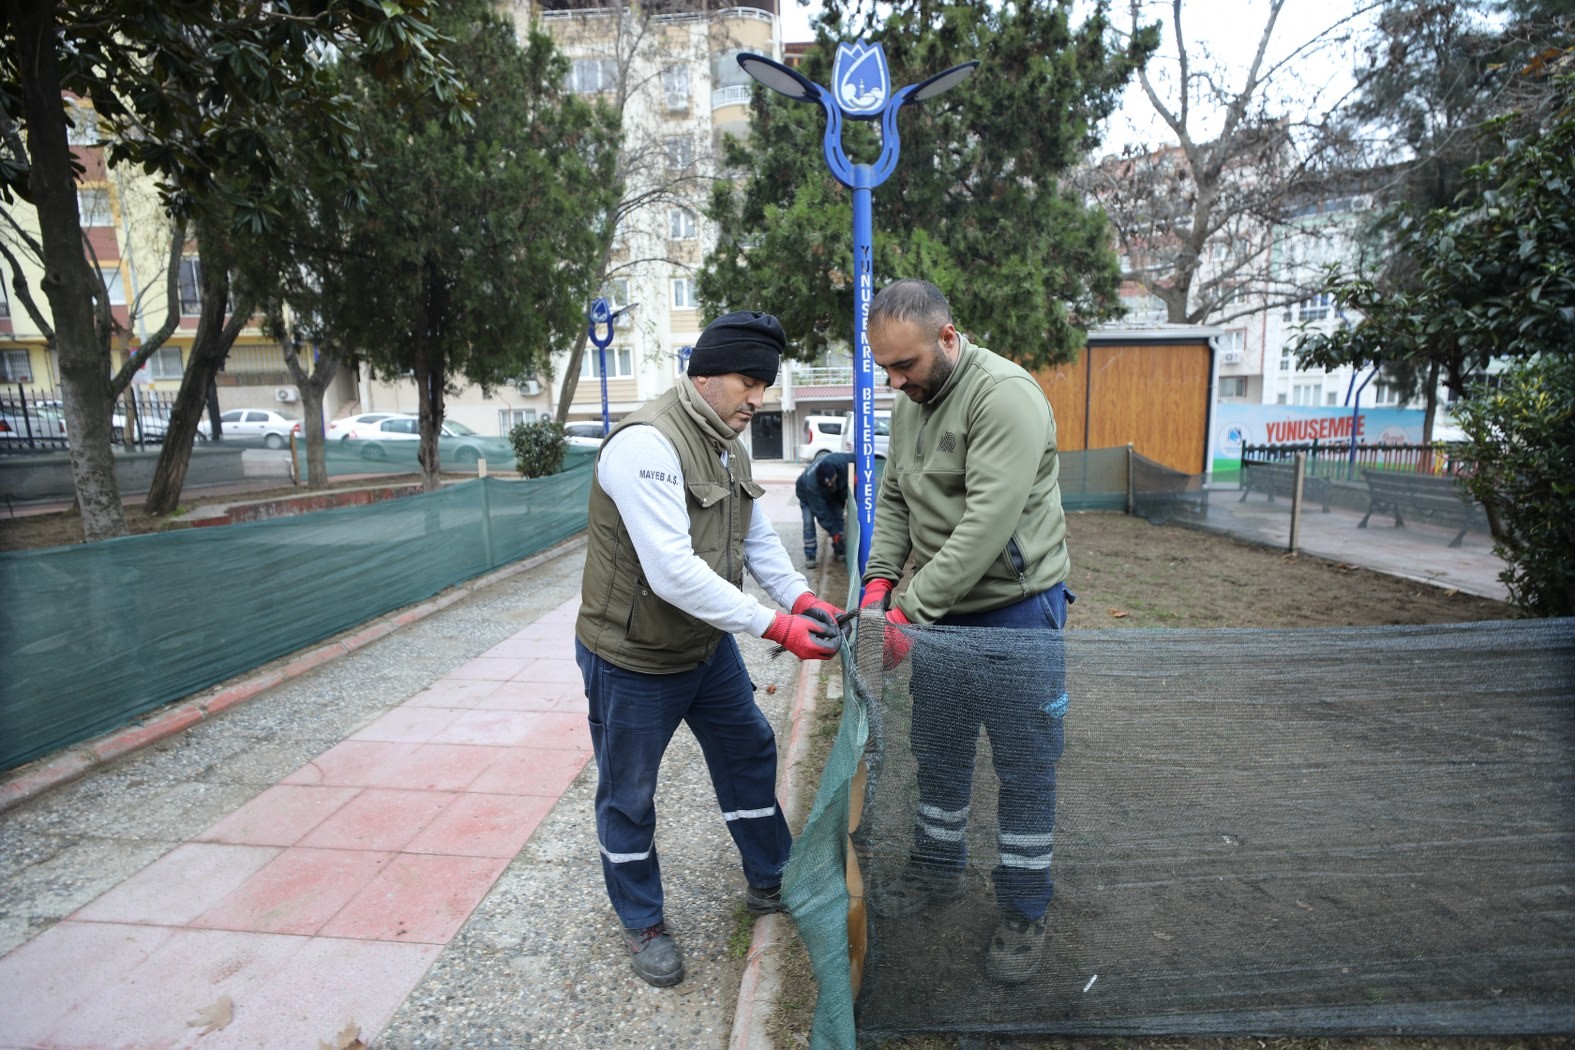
(680, 224)
(1384, 394)
(5, 302)
(113, 285)
(590, 76)
(1306, 393)
(166, 363)
(616, 291)
(675, 86)
(726, 72)
(1287, 359)
(15, 366)
(93, 207)
(82, 129)
(190, 288)
(620, 363)
(1331, 397)
(680, 151)
(1233, 386)
(1314, 309)
(684, 293)
(509, 418)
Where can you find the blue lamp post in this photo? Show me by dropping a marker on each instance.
(863, 92)
(602, 316)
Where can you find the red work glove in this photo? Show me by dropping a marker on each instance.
(808, 601)
(895, 645)
(811, 636)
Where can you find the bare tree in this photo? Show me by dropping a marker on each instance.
(1196, 221)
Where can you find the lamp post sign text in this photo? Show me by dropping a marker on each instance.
(863, 92)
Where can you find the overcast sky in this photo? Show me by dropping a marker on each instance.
(1224, 33)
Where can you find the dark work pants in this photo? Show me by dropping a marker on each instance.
(633, 717)
(1014, 685)
(816, 506)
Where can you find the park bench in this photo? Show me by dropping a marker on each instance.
(1278, 478)
(1432, 499)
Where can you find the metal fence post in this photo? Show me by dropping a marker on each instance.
(1296, 501)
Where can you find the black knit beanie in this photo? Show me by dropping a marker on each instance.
(746, 341)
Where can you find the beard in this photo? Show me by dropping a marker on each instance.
(941, 368)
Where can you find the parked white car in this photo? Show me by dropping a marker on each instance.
(882, 432)
(457, 443)
(583, 435)
(822, 434)
(339, 429)
(253, 425)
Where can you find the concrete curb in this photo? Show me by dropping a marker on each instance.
(182, 714)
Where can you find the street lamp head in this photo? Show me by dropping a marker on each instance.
(943, 81)
(779, 78)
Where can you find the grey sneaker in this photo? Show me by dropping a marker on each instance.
(762, 901)
(1016, 950)
(654, 955)
(917, 888)
(809, 561)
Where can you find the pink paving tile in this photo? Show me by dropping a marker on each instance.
(532, 771)
(483, 826)
(490, 668)
(378, 819)
(566, 730)
(356, 763)
(535, 696)
(561, 670)
(417, 899)
(150, 1004)
(330, 983)
(410, 725)
(43, 979)
(531, 647)
(498, 728)
(453, 692)
(441, 767)
(302, 889)
(180, 885)
(279, 816)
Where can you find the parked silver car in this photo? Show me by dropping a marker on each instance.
(253, 425)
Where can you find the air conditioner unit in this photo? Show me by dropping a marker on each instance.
(285, 393)
(528, 387)
(1231, 357)
(677, 101)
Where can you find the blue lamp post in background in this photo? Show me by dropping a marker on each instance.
(602, 315)
(863, 92)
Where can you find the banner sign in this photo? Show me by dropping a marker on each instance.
(1238, 425)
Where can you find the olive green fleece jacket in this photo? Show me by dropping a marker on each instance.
(971, 492)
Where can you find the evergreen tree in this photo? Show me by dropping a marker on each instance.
(976, 203)
(475, 253)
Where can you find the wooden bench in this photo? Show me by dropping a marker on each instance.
(1429, 498)
(1278, 478)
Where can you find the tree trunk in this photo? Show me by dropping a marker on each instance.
(312, 388)
(68, 281)
(429, 397)
(210, 346)
(571, 375)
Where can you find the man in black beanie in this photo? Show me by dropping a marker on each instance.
(674, 520)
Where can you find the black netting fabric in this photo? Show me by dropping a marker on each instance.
(1162, 494)
(1337, 832)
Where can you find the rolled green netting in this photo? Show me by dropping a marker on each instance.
(1258, 832)
(98, 634)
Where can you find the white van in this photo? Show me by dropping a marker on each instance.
(882, 431)
(822, 434)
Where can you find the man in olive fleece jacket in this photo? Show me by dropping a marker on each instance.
(971, 494)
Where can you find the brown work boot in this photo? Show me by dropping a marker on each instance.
(916, 888)
(1016, 949)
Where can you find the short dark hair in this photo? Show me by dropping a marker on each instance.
(913, 300)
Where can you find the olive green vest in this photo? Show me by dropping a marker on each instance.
(621, 619)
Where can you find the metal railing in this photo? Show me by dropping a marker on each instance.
(737, 95)
(33, 420)
(1340, 461)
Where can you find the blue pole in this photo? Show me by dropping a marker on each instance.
(601, 352)
(863, 362)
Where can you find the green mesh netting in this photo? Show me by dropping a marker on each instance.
(1314, 832)
(110, 630)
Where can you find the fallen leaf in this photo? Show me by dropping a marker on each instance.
(349, 1038)
(1117, 613)
(1304, 906)
(771, 690)
(213, 1017)
(1165, 936)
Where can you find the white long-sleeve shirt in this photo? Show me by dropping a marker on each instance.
(639, 469)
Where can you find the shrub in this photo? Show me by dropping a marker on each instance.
(538, 447)
(1523, 441)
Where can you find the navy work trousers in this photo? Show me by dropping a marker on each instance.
(1014, 685)
(633, 717)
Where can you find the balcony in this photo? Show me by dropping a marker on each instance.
(737, 95)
